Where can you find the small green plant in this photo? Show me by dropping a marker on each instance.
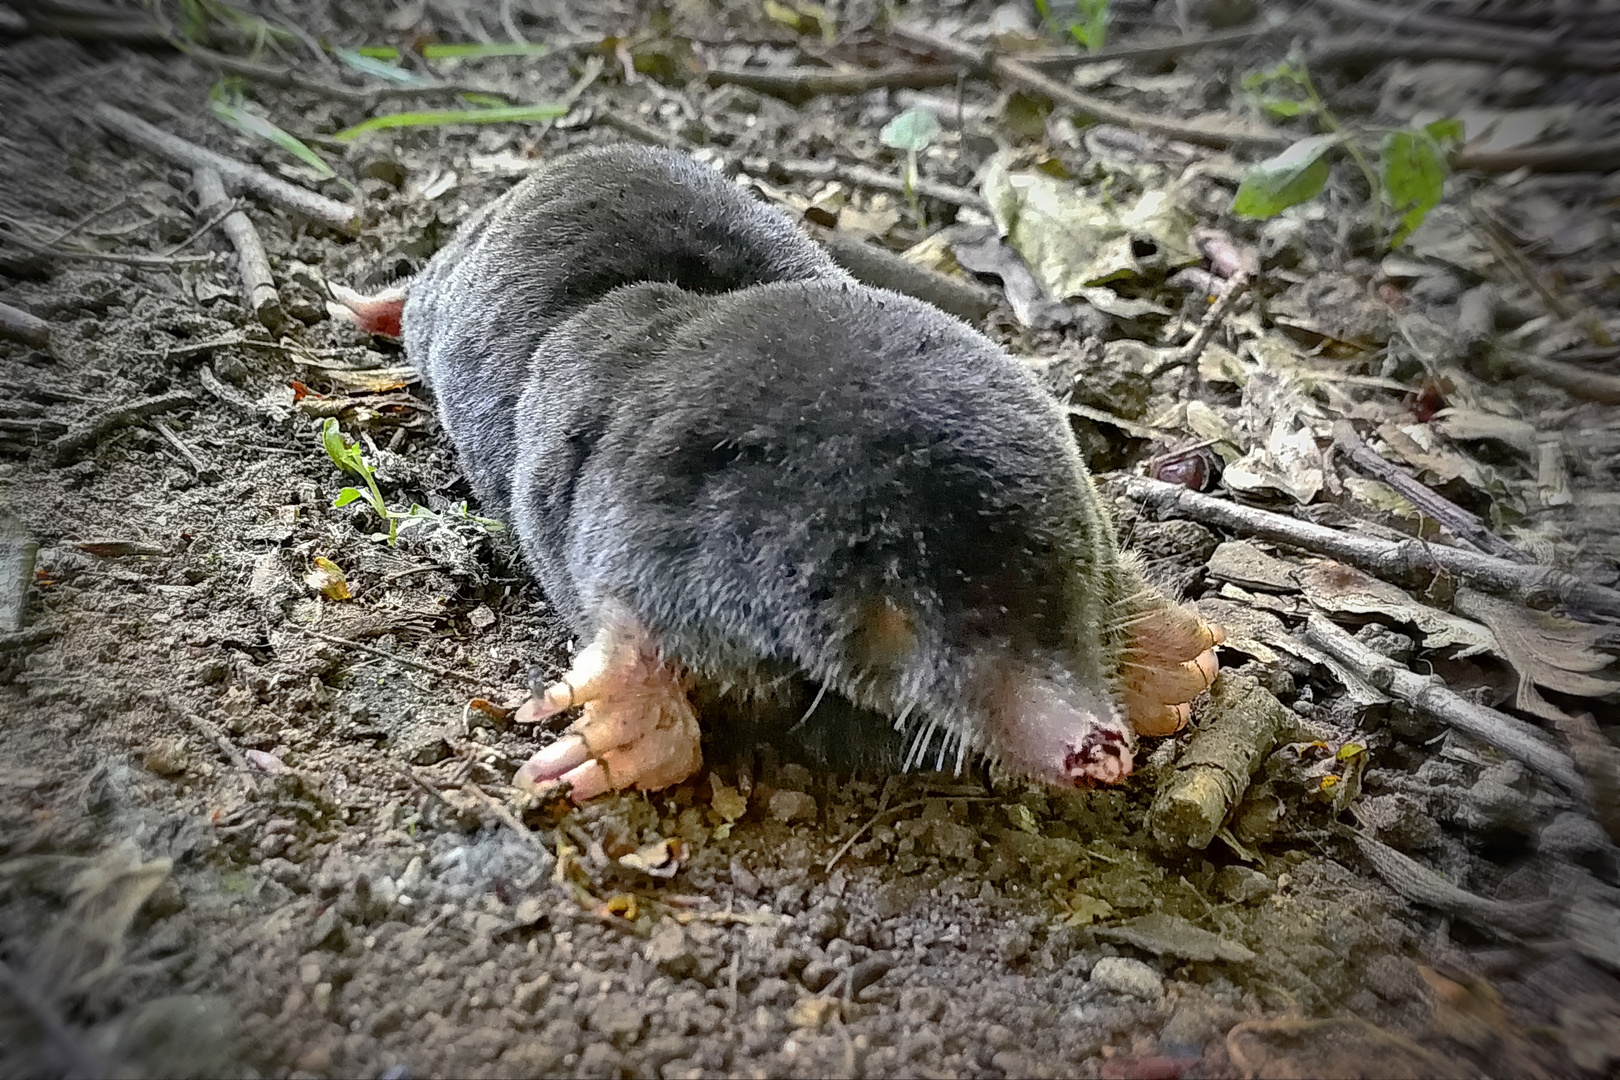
(228, 102)
(1409, 179)
(348, 457)
(911, 131)
(1085, 20)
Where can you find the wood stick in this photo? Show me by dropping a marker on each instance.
(883, 269)
(200, 467)
(1576, 381)
(1188, 354)
(1369, 49)
(420, 665)
(1020, 74)
(1462, 524)
(258, 286)
(866, 176)
(234, 174)
(64, 448)
(800, 84)
(1240, 727)
(1421, 885)
(19, 325)
(1431, 697)
(1405, 560)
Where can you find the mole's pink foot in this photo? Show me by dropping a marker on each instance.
(1170, 659)
(379, 314)
(638, 729)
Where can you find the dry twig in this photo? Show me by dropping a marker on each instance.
(1188, 354)
(1421, 885)
(1017, 73)
(798, 85)
(67, 446)
(258, 286)
(1459, 522)
(1405, 560)
(19, 325)
(234, 174)
(431, 669)
(1430, 696)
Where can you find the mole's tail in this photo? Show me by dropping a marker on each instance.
(378, 313)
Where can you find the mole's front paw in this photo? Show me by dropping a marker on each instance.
(638, 729)
(1169, 660)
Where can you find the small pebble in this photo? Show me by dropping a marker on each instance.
(1125, 976)
(790, 806)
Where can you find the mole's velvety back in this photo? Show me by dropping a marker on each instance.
(562, 239)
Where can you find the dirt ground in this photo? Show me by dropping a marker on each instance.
(250, 829)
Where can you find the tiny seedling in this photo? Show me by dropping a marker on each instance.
(348, 457)
(1086, 20)
(228, 102)
(911, 131)
(1409, 179)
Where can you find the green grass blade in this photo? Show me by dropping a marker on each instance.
(378, 67)
(453, 51)
(440, 117)
(227, 104)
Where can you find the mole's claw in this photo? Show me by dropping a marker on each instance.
(638, 728)
(1169, 661)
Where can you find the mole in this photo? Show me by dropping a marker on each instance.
(750, 483)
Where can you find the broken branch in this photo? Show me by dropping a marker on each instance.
(233, 173)
(798, 85)
(1431, 697)
(19, 325)
(1405, 560)
(258, 286)
(1459, 522)
(64, 448)
(1212, 774)
(1020, 74)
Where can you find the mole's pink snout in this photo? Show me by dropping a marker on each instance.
(1102, 757)
(1056, 730)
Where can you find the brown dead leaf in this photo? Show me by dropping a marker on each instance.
(328, 579)
(1546, 650)
(1340, 589)
(659, 859)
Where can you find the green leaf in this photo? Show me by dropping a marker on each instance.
(1445, 131)
(346, 457)
(379, 52)
(1293, 176)
(225, 100)
(1414, 170)
(347, 496)
(1284, 107)
(440, 117)
(379, 67)
(912, 130)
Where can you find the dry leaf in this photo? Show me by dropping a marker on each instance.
(328, 578)
(1340, 589)
(660, 859)
(1544, 649)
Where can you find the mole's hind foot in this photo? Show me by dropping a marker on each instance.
(1169, 660)
(638, 729)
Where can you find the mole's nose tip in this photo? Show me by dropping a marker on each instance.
(1103, 757)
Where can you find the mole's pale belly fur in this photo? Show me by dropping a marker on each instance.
(750, 482)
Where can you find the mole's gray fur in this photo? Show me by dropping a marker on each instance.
(794, 481)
